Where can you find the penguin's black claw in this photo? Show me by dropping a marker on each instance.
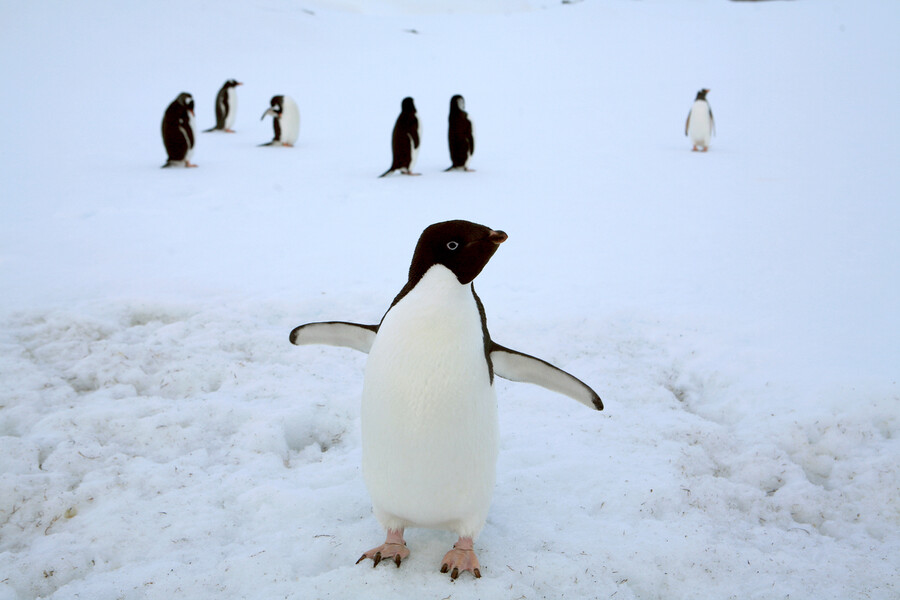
(397, 560)
(455, 573)
(445, 567)
(377, 559)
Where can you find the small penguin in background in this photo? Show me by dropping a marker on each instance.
(178, 131)
(700, 125)
(285, 120)
(460, 135)
(226, 107)
(405, 139)
(429, 415)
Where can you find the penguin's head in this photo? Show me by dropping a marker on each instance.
(461, 246)
(275, 108)
(701, 95)
(457, 102)
(407, 105)
(233, 83)
(186, 100)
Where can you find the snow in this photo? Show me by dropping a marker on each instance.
(736, 310)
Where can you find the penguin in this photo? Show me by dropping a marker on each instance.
(226, 107)
(405, 139)
(700, 124)
(285, 120)
(428, 411)
(178, 131)
(460, 134)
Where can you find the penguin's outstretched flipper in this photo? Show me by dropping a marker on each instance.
(336, 333)
(516, 366)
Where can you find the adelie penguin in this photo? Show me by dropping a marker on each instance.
(285, 120)
(700, 125)
(226, 107)
(178, 131)
(429, 412)
(405, 139)
(460, 135)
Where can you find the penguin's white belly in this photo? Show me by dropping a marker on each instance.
(429, 412)
(231, 114)
(413, 150)
(289, 121)
(187, 138)
(700, 125)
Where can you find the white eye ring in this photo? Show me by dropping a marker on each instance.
(452, 245)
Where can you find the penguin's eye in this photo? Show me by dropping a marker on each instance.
(452, 245)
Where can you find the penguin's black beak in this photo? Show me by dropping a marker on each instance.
(498, 237)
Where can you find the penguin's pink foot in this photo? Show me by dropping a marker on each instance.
(188, 163)
(394, 548)
(229, 131)
(460, 559)
(694, 149)
(287, 145)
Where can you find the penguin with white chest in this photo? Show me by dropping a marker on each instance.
(226, 107)
(285, 120)
(429, 412)
(405, 139)
(700, 125)
(460, 135)
(178, 131)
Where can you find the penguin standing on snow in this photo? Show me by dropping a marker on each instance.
(285, 120)
(700, 125)
(178, 131)
(405, 139)
(429, 412)
(226, 107)
(460, 135)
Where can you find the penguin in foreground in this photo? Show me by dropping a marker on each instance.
(405, 139)
(178, 131)
(460, 135)
(226, 107)
(285, 120)
(700, 125)
(429, 412)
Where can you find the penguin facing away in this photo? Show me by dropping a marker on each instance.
(460, 135)
(226, 107)
(285, 120)
(700, 125)
(178, 131)
(405, 139)
(429, 412)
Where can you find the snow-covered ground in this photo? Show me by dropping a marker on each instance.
(736, 310)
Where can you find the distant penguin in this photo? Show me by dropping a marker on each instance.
(405, 139)
(226, 107)
(700, 125)
(429, 412)
(178, 131)
(460, 134)
(285, 120)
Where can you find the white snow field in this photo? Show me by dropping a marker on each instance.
(736, 310)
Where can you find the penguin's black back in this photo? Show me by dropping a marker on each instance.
(459, 134)
(177, 133)
(405, 129)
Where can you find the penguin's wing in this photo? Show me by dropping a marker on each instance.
(687, 123)
(516, 366)
(712, 122)
(336, 333)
